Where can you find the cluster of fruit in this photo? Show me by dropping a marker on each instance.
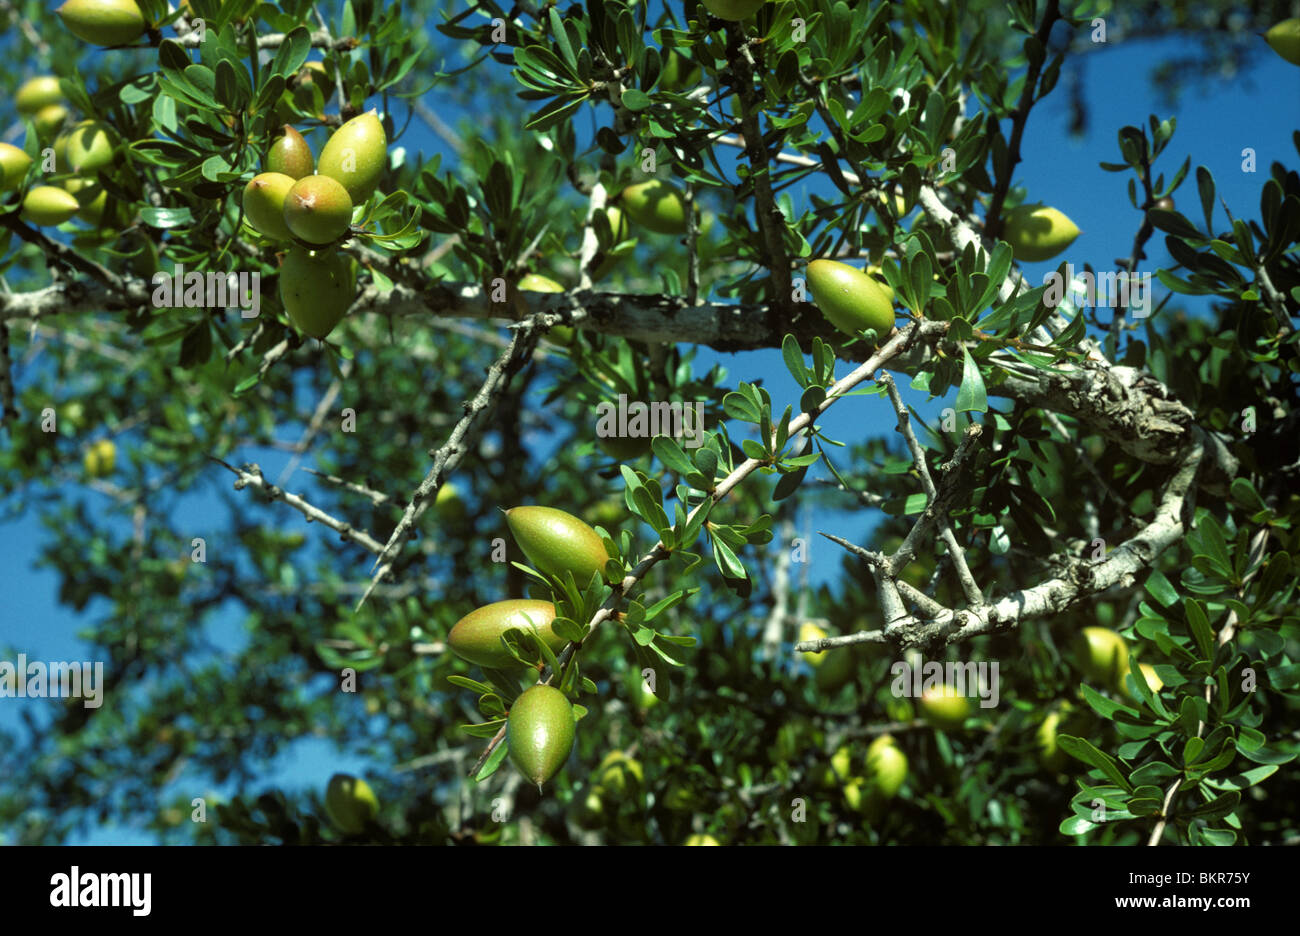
(540, 723)
(308, 203)
(81, 153)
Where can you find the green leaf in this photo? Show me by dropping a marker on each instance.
(1160, 588)
(1081, 750)
(971, 396)
(1200, 627)
(1076, 825)
(495, 760)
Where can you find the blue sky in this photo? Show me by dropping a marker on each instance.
(1214, 124)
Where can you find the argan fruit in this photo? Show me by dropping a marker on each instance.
(14, 164)
(35, 93)
(1102, 655)
(1154, 682)
(539, 730)
(886, 765)
(1049, 753)
(350, 803)
(91, 146)
(264, 198)
(47, 206)
(49, 120)
(1164, 204)
(290, 155)
(624, 448)
(831, 668)
(733, 10)
(317, 288)
(1037, 233)
(1285, 40)
(943, 708)
(103, 22)
(449, 504)
(311, 76)
(476, 638)
(842, 762)
(851, 300)
(317, 209)
(618, 775)
(656, 205)
(100, 459)
(702, 840)
(535, 282)
(356, 155)
(556, 542)
(91, 196)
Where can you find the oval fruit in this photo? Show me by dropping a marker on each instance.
(264, 204)
(734, 10)
(624, 448)
(1154, 682)
(476, 637)
(103, 22)
(851, 300)
(535, 282)
(49, 120)
(356, 155)
(36, 93)
(449, 504)
(842, 762)
(1102, 655)
(556, 542)
(656, 205)
(90, 195)
(1037, 233)
(290, 155)
(539, 730)
(702, 840)
(318, 209)
(47, 206)
(317, 288)
(100, 459)
(350, 803)
(91, 146)
(1049, 753)
(887, 765)
(831, 668)
(1164, 204)
(618, 775)
(943, 708)
(14, 164)
(1284, 38)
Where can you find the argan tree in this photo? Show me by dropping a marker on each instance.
(1090, 505)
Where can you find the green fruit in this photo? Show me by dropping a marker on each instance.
(449, 505)
(831, 668)
(851, 300)
(943, 708)
(49, 120)
(733, 10)
(886, 765)
(1049, 753)
(656, 205)
(702, 840)
(350, 803)
(318, 209)
(1037, 233)
(100, 459)
(1285, 40)
(47, 206)
(317, 288)
(678, 72)
(14, 164)
(535, 282)
(264, 199)
(624, 448)
(290, 155)
(618, 775)
(477, 636)
(539, 730)
(103, 22)
(36, 93)
(1154, 682)
(91, 146)
(356, 155)
(1164, 204)
(556, 542)
(842, 763)
(1102, 655)
(91, 196)
(311, 76)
